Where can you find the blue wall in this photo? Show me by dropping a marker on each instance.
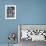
(27, 12)
(31, 11)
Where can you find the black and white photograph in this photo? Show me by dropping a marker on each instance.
(10, 11)
(29, 35)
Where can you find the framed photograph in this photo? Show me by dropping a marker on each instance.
(33, 32)
(10, 11)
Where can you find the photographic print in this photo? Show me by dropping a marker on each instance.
(10, 11)
(29, 34)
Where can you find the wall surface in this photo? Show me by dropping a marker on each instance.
(31, 11)
(6, 26)
(27, 12)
